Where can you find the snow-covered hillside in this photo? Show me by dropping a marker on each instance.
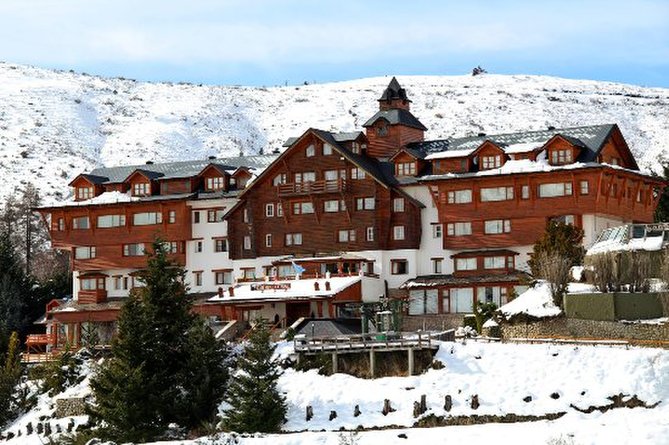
(53, 125)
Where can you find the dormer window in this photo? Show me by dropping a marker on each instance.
(141, 189)
(561, 156)
(84, 193)
(355, 148)
(311, 151)
(327, 149)
(488, 162)
(406, 169)
(216, 183)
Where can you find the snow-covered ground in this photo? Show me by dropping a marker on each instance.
(55, 124)
(502, 375)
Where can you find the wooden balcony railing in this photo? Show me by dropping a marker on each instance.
(92, 296)
(40, 339)
(313, 187)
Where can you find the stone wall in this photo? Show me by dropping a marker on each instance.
(435, 322)
(572, 327)
(70, 406)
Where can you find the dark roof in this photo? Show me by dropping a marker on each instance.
(491, 252)
(181, 169)
(151, 174)
(339, 137)
(394, 92)
(329, 328)
(591, 138)
(94, 179)
(396, 116)
(449, 280)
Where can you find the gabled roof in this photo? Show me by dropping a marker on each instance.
(339, 137)
(93, 179)
(181, 169)
(148, 174)
(222, 169)
(591, 138)
(394, 92)
(396, 116)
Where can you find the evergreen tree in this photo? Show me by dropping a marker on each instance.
(10, 375)
(662, 211)
(564, 240)
(14, 292)
(148, 382)
(256, 405)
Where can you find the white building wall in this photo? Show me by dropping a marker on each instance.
(594, 224)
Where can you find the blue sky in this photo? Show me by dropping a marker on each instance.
(250, 42)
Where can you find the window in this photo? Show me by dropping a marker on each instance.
(564, 219)
(106, 221)
(331, 175)
(220, 245)
(81, 223)
(327, 149)
(223, 277)
(305, 177)
(248, 273)
(245, 215)
(398, 204)
(136, 249)
(525, 192)
(369, 234)
(355, 147)
(279, 209)
(141, 189)
(61, 224)
(488, 162)
(436, 265)
(84, 253)
(279, 179)
(171, 246)
(269, 210)
(215, 215)
(172, 216)
(345, 236)
(555, 189)
(268, 240)
(357, 173)
(331, 206)
(311, 151)
(301, 208)
(496, 226)
(364, 203)
(465, 264)
(459, 229)
(92, 283)
(494, 262)
(198, 246)
(147, 218)
(585, 187)
(406, 169)
(437, 231)
(196, 217)
(293, 239)
(399, 267)
(247, 242)
(84, 193)
(398, 233)
(496, 194)
(460, 196)
(197, 278)
(217, 183)
(561, 156)
(118, 282)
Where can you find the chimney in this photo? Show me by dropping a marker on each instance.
(317, 287)
(232, 291)
(220, 292)
(481, 135)
(551, 128)
(149, 162)
(211, 158)
(327, 285)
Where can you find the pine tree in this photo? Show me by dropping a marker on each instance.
(14, 292)
(256, 405)
(662, 211)
(147, 383)
(10, 375)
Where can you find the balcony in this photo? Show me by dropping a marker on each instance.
(313, 187)
(92, 296)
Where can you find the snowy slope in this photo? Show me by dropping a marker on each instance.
(54, 125)
(502, 375)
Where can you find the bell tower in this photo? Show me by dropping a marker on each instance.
(393, 126)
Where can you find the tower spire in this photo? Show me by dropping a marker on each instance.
(394, 96)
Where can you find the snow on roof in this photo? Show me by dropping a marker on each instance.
(490, 323)
(537, 302)
(629, 238)
(280, 290)
(450, 154)
(523, 147)
(114, 197)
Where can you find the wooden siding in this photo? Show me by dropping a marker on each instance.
(611, 192)
(397, 137)
(319, 229)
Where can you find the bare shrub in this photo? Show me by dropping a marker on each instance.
(554, 268)
(603, 270)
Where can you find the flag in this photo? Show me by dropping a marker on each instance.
(298, 269)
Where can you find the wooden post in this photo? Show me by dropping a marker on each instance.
(372, 363)
(334, 362)
(475, 401)
(386, 407)
(410, 360)
(423, 403)
(448, 402)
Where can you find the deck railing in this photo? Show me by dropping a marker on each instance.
(356, 343)
(312, 187)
